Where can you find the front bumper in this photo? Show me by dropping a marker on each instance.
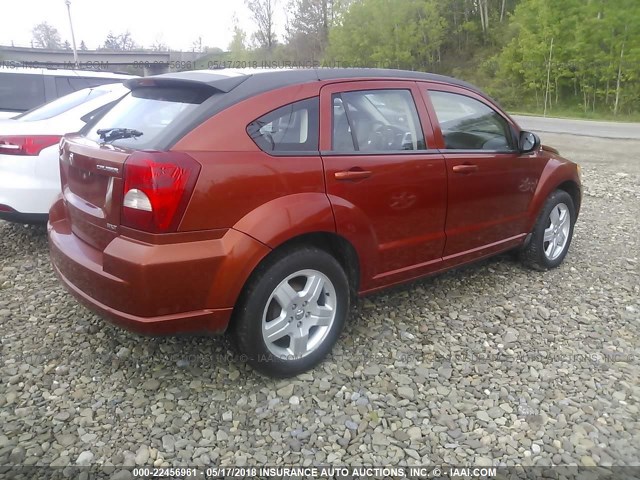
(151, 289)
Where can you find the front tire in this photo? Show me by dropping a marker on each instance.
(552, 233)
(292, 311)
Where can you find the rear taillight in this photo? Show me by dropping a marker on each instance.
(26, 144)
(157, 188)
(6, 208)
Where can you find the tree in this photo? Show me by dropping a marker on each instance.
(83, 46)
(237, 47)
(158, 45)
(263, 13)
(111, 42)
(308, 31)
(66, 45)
(385, 33)
(46, 36)
(196, 46)
(126, 41)
(591, 44)
(120, 42)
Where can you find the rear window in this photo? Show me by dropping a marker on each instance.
(60, 105)
(19, 92)
(67, 85)
(150, 110)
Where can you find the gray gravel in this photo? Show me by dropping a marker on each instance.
(493, 364)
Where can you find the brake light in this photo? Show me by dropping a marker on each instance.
(26, 144)
(157, 188)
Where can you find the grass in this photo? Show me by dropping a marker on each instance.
(580, 114)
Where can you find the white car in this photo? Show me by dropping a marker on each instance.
(29, 169)
(23, 89)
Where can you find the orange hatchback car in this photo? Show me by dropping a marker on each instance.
(263, 202)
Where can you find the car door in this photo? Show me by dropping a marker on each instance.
(385, 181)
(490, 184)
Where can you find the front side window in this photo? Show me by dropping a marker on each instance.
(291, 128)
(468, 124)
(376, 121)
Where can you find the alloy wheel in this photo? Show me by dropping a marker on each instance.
(299, 314)
(557, 232)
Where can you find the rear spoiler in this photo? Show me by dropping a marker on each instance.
(223, 85)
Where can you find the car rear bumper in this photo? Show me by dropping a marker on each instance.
(19, 217)
(202, 321)
(29, 185)
(151, 289)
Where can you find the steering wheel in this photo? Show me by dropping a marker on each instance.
(382, 137)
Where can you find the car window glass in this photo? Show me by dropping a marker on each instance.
(149, 110)
(67, 85)
(291, 128)
(468, 124)
(63, 86)
(20, 92)
(61, 105)
(376, 121)
(98, 112)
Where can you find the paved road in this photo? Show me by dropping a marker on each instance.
(580, 127)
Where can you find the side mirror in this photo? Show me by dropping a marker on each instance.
(528, 142)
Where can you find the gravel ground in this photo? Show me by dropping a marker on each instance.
(492, 364)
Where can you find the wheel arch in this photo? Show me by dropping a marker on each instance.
(557, 175)
(573, 190)
(337, 246)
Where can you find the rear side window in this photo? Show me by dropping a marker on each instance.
(292, 128)
(468, 124)
(19, 92)
(150, 110)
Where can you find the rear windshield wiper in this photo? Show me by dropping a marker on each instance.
(110, 134)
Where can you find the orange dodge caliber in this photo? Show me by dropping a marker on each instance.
(263, 202)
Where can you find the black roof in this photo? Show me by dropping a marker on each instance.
(225, 80)
(238, 85)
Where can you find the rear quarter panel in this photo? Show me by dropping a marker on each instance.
(269, 198)
(237, 178)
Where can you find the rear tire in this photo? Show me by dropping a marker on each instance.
(551, 236)
(291, 311)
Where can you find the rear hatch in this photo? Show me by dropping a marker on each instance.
(117, 171)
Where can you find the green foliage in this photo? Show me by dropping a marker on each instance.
(238, 46)
(594, 60)
(542, 55)
(502, 46)
(387, 33)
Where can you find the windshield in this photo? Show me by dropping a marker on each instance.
(149, 111)
(61, 105)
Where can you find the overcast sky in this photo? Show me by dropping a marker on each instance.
(175, 23)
